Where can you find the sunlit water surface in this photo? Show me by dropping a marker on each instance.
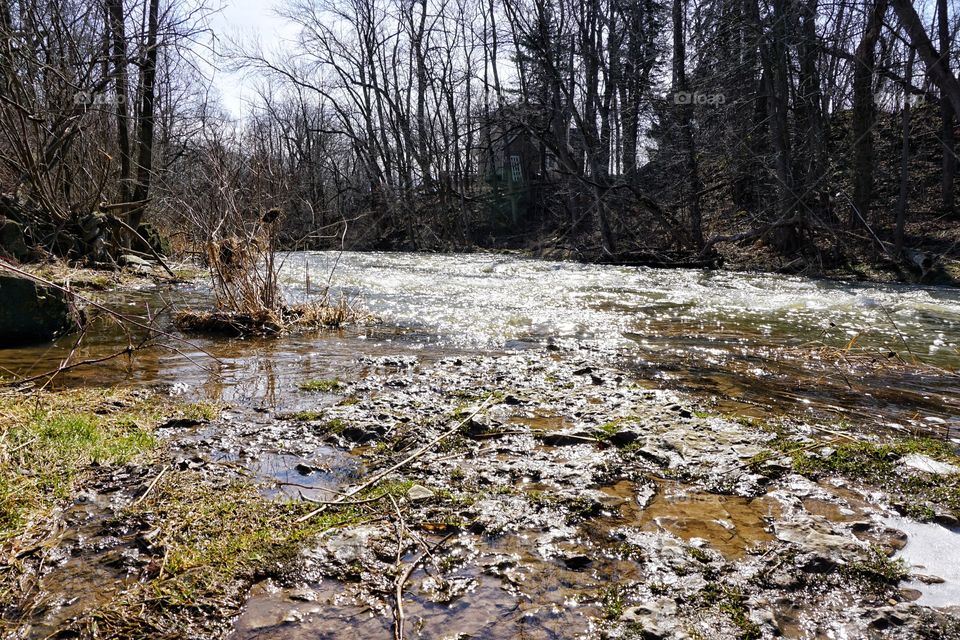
(754, 344)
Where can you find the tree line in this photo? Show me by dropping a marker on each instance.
(616, 128)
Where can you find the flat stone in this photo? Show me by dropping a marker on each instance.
(303, 595)
(131, 260)
(927, 464)
(419, 492)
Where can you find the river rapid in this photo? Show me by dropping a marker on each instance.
(753, 344)
(605, 451)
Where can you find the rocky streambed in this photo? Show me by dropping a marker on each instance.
(561, 483)
(564, 500)
(578, 504)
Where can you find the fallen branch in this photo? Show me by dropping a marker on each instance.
(380, 476)
(752, 234)
(149, 247)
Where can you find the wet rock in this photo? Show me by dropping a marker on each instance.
(352, 545)
(12, 240)
(683, 412)
(624, 437)
(887, 617)
(657, 456)
(419, 492)
(182, 423)
(646, 494)
(887, 538)
(136, 263)
(194, 462)
(303, 594)
(657, 619)
(361, 434)
(927, 464)
(811, 535)
(777, 466)
(32, 312)
(577, 561)
(910, 595)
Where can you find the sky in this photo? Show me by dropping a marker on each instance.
(245, 20)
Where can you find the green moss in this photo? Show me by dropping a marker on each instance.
(304, 416)
(325, 386)
(877, 570)
(396, 487)
(348, 402)
(576, 506)
(699, 554)
(731, 601)
(206, 411)
(879, 464)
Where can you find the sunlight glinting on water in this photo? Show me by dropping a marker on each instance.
(482, 300)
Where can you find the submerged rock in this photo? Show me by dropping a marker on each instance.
(32, 312)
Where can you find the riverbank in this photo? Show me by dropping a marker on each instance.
(537, 494)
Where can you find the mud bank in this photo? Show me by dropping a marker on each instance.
(564, 500)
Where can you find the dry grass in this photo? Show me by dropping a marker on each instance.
(245, 269)
(316, 315)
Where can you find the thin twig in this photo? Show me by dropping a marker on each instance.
(378, 477)
(151, 486)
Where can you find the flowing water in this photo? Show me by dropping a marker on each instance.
(755, 344)
(848, 354)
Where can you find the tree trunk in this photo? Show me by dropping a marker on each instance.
(864, 115)
(146, 116)
(685, 117)
(119, 46)
(939, 73)
(946, 110)
(904, 157)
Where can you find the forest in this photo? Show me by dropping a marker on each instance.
(802, 136)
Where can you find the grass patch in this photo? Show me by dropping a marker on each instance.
(324, 386)
(575, 506)
(877, 570)
(51, 443)
(699, 554)
(203, 411)
(303, 416)
(336, 425)
(217, 539)
(613, 602)
(260, 320)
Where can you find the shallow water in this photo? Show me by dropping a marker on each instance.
(931, 550)
(757, 344)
